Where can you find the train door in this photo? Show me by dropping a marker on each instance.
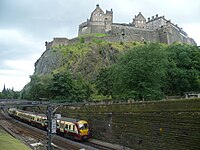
(75, 130)
(62, 126)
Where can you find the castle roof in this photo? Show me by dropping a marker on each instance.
(97, 9)
(140, 17)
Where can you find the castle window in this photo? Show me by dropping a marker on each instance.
(100, 14)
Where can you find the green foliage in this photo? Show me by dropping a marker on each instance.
(61, 86)
(64, 87)
(104, 82)
(9, 94)
(82, 40)
(83, 89)
(97, 41)
(140, 72)
(37, 89)
(184, 69)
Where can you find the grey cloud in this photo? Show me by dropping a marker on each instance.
(41, 17)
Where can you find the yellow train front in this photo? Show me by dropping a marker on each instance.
(73, 128)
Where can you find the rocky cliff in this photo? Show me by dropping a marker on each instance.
(81, 58)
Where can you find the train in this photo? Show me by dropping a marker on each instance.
(75, 129)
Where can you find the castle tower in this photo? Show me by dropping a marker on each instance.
(99, 22)
(108, 20)
(139, 21)
(97, 15)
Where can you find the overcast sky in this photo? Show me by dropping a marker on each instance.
(25, 25)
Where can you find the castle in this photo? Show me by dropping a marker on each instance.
(155, 29)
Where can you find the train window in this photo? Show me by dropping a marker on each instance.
(69, 127)
(66, 127)
(73, 127)
(83, 126)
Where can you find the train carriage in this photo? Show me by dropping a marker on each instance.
(41, 121)
(71, 128)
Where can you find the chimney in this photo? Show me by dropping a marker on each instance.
(97, 5)
(152, 17)
(149, 19)
(156, 15)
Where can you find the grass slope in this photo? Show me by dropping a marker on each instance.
(7, 142)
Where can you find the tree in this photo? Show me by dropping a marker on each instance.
(65, 87)
(184, 69)
(82, 89)
(61, 86)
(1, 95)
(104, 82)
(9, 93)
(140, 73)
(37, 88)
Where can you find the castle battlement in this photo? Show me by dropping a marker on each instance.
(157, 28)
(154, 29)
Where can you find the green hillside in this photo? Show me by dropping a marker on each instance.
(100, 70)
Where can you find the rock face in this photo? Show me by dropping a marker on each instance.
(82, 58)
(49, 61)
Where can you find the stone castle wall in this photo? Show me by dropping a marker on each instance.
(175, 35)
(130, 33)
(157, 29)
(57, 41)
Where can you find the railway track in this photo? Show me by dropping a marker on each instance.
(31, 135)
(99, 146)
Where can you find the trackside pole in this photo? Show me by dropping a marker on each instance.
(49, 136)
(51, 120)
